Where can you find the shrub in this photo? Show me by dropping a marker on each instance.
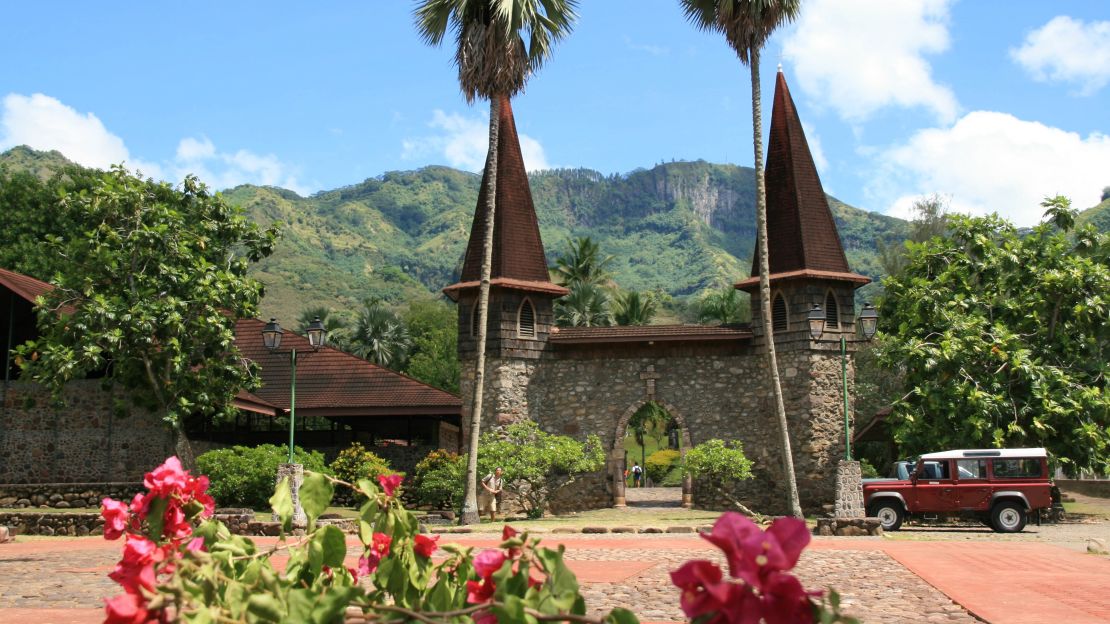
(673, 478)
(439, 479)
(244, 476)
(355, 462)
(537, 463)
(719, 461)
(659, 463)
(867, 470)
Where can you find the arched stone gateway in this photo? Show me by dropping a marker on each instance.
(578, 381)
(618, 462)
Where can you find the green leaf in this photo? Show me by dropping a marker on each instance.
(331, 606)
(282, 504)
(621, 616)
(264, 608)
(333, 546)
(156, 516)
(315, 493)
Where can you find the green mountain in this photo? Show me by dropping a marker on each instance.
(677, 228)
(1099, 216)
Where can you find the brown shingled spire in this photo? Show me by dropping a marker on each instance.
(518, 254)
(800, 229)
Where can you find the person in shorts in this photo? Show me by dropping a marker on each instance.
(637, 475)
(491, 494)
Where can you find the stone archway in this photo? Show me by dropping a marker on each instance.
(617, 463)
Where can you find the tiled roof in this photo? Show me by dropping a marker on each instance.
(253, 403)
(502, 282)
(752, 283)
(801, 232)
(517, 248)
(649, 333)
(26, 287)
(331, 382)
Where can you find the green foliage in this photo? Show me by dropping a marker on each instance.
(355, 462)
(153, 282)
(1105, 193)
(633, 308)
(438, 480)
(587, 305)
(718, 461)
(380, 336)
(537, 463)
(673, 477)
(434, 328)
(929, 220)
(243, 476)
(659, 463)
(867, 470)
(724, 306)
(582, 263)
(1002, 339)
(338, 334)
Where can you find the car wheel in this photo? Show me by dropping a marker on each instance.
(890, 514)
(1008, 517)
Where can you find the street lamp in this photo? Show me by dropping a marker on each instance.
(868, 323)
(271, 338)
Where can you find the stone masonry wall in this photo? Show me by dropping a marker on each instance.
(96, 436)
(64, 495)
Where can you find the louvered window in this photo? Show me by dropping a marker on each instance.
(778, 314)
(474, 320)
(832, 312)
(526, 320)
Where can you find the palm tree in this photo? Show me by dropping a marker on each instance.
(335, 326)
(724, 307)
(633, 308)
(587, 305)
(582, 263)
(746, 25)
(498, 45)
(651, 419)
(380, 336)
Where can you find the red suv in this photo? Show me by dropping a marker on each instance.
(1000, 487)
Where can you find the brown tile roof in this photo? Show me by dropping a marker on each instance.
(649, 333)
(517, 248)
(801, 232)
(26, 287)
(546, 287)
(752, 283)
(333, 383)
(253, 403)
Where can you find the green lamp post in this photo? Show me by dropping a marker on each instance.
(271, 338)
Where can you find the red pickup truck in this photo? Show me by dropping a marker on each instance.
(1000, 487)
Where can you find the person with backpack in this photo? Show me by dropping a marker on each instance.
(637, 474)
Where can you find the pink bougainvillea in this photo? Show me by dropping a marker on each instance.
(389, 483)
(378, 550)
(424, 545)
(759, 586)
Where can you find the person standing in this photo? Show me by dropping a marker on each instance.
(491, 493)
(637, 474)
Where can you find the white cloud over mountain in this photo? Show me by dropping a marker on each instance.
(860, 56)
(1068, 50)
(463, 141)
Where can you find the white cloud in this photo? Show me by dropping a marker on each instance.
(860, 56)
(45, 123)
(1068, 50)
(815, 149)
(653, 50)
(994, 162)
(464, 141)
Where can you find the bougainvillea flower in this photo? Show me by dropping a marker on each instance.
(752, 553)
(140, 505)
(425, 545)
(389, 483)
(484, 617)
(169, 478)
(784, 601)
(195, 544)
(787, 538)
(125, 609)
(487, 562)
(197, 490)
(508, 533)
(378, 550)
(703, 590)
(116, 516)
(479, 592)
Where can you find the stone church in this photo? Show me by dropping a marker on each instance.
(712, 379)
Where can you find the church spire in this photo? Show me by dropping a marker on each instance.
(518, 256)
(801, 232)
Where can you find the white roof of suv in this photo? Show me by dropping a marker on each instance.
(983, 453)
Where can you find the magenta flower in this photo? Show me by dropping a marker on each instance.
(487, 562)
(389, 483)
(116, 516)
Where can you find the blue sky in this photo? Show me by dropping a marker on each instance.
(993, 105)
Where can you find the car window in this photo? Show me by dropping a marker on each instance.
(971, 468)
(1017, 468)
(935, 470)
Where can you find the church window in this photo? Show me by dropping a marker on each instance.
(526, 320)
(778, 314)
(832, 312)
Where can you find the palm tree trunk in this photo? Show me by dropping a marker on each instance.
(469, 513)
(765, 286)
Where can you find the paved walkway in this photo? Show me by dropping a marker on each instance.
(881, 580)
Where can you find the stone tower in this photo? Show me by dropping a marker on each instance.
(808, 268)
(521, 292)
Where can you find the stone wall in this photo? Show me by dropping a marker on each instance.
(35, 523)
(64, 495)
(96, 436)
(1087, 487)
(590, 491)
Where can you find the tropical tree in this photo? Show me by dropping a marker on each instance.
(380, 336)
(650, 420)
(633, 308)
(434, 328)
(746, 26)
(582, 263)
(724, 306)
(1000, 338)
(154, 280)
(929, 220)
(498, 45)
(587, 305)
(338, 332)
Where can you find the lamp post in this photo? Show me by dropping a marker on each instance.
(868, 323)
(271, 338)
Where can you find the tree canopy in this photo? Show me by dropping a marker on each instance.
(1003, 338)
(154, 280)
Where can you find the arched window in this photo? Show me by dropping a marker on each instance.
(779, 322)
(832, 312)
(526, 320)
(474, 320)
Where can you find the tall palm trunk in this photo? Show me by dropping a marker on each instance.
(765, 286)
(469, 513)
